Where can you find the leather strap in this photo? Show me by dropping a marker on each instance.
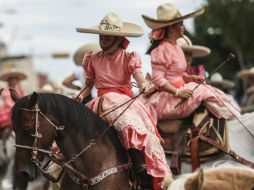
(195, 162)
(228, 151)
(179, 143)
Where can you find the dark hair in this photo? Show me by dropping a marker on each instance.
(156, 43)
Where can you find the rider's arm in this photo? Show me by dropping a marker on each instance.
(68, 82)
(89, 83)
(180, 93)
(142, 82)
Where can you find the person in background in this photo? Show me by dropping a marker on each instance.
(179, 94)
(225, 85)
(12, 77)
(191, 51)
(78, 75)
(247, 104)
(110, 70)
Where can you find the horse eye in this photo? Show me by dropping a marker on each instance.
(28, 129)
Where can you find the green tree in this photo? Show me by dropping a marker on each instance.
(226, 26)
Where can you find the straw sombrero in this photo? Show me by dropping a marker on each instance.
(246, 73)
(112, 25)
(196, 50)
(218, 81)
(12, 73)
(81, 51)
(168, 14)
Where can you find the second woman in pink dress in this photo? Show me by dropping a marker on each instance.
(169, 72)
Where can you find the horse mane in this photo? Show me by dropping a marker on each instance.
(73, 115)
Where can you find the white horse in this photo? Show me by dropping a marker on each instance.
(7, 152)
(241, 141)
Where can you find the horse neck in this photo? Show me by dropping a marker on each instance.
(97, 158)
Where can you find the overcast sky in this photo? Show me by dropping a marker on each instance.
(39, 27)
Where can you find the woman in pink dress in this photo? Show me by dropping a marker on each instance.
(110, 70)
(169, 72)
(13, 78)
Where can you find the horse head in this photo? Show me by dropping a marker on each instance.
(33, 133)
(38, 120)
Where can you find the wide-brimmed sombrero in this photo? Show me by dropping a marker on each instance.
(196, 50)
(81, 51)
(168, 14)
(112, 25)
(218, 81)
(243, 74)
(6, 74)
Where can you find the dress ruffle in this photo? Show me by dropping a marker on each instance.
(135, 128)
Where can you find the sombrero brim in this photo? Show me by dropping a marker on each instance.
(197, 51)
(6, 76)
(79, 54)
(245, 74)
(156, 24)
(225, 84)
(128, 30)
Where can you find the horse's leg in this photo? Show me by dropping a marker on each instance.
(68, 184)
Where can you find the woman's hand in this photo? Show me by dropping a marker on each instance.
(79, 98)
(184, 93)
(198, 78)
(147, 88)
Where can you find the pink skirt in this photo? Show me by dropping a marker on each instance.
(135, 128)
(162, 105)
(5, 116)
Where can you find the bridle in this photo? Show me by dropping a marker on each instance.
(35, 148)
(77, 176)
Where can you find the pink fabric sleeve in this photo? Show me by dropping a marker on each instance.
(159, 67)
(87, 65)
(134, 63)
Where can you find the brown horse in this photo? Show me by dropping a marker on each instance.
(89, 147)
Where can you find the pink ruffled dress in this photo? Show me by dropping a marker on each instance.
(135, 127)
(168, 65)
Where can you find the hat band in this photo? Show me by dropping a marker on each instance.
(105, 25)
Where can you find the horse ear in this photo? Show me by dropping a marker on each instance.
(14, 94)
(1, 90)
(200, 178)
(148, 76)
(195, 182)
(34, 99)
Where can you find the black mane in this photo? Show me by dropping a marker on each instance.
(67, 111)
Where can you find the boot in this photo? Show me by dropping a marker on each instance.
(138, 161)
(139, 167)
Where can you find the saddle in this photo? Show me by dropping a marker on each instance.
(182, 140)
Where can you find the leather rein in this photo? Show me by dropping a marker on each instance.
(76, 175)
